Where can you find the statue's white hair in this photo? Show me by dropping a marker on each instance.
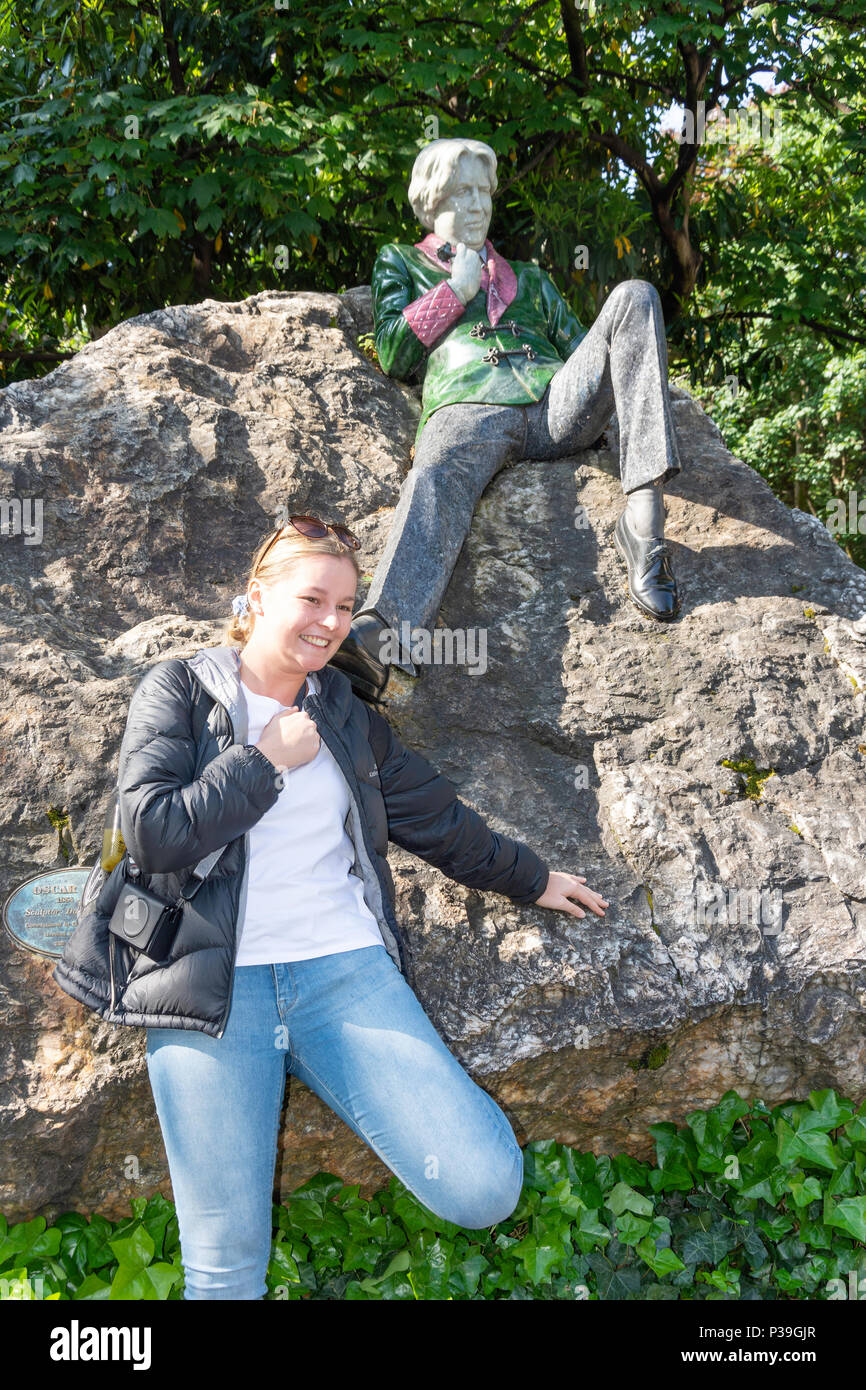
(434, 170)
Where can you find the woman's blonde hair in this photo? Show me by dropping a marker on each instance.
(282, 556)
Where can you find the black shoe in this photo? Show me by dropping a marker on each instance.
(651, 582)
(356, 658)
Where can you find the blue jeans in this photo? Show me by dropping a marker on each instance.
(349, 1026)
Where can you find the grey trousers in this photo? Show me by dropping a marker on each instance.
(621, 363)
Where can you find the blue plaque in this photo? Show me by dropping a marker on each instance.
(42, 913)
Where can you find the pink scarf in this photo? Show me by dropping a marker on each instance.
(497, 277)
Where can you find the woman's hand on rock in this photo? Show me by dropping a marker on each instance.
(561, 888)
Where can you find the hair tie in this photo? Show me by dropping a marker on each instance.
(240, 605)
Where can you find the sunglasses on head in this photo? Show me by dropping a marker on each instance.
(313, 527)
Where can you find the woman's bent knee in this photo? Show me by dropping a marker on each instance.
(486, 1196)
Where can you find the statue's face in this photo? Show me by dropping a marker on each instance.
(464, 212)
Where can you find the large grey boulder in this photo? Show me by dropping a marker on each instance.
(733, 953)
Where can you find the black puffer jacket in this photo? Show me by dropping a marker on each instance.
(189, 785)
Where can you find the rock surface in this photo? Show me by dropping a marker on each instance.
(162, 452)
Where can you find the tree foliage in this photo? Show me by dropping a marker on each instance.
(163, 152)
(775, 335)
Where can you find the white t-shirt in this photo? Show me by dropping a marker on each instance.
(302, 898)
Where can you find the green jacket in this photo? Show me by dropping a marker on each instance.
(454, 369)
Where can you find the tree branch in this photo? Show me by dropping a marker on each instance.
(547, 149)
(829, 331)
(175, 68)
(38, 355)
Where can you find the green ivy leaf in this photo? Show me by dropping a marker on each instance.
(624, 1198)
(849, 1215)
(811, 1148)
(134, 1251)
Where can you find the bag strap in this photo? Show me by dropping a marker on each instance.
(201, 871)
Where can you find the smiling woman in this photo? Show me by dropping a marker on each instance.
(300, 606)
(257, 760)
(297, 609)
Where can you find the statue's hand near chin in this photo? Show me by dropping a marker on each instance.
(466, 269)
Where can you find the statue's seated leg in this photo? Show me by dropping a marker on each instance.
(622, 364)
(460, 449)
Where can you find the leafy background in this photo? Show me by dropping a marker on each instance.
(161, 153)
(742, 1202)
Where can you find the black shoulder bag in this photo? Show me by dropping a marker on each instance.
(148, 922)
(144, 920)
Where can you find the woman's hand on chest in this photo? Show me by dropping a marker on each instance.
(289, 739)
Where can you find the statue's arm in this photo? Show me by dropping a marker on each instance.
(564, 328)
(406, 325)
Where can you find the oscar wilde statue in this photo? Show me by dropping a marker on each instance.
(509, 373)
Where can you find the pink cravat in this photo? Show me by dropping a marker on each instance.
(433, 312)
